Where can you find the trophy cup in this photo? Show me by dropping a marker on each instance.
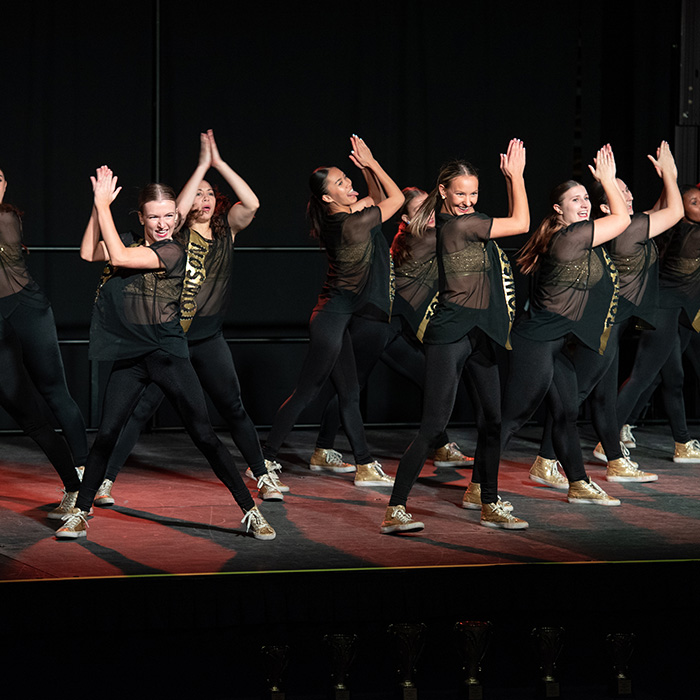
(472, 640)
(343, 648)
(276, 659)
(409, 645)
(620, 648)
(548, 642)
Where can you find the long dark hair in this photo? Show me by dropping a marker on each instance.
(532, 251)
(448, 172)
(222, 206)
(316, 208)
(400, 250)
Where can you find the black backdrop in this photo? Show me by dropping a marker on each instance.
(131, 84)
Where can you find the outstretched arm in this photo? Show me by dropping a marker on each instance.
(186, 197)
(513, 168)
(604, 171)
(669, 209)
(242, 213)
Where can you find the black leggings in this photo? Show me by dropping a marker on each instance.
(178, 381)
(371, 342)
(542, 369)
(444, 365)
(596, 377)
(17, 397)
(658, 349)
(330, 354)
(213, 363)
(35, 330)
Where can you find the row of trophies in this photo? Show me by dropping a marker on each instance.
(472, 640)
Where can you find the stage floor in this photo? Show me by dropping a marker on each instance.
(173, 516)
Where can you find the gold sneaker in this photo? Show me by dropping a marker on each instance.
(103, 497)
(75, 526)
(267, 489)
(589, 492)
(626, 436)
(396, 519)
(472, 499)
(450, 455)
(546, 471)
(372, 474)
(329, 461)
(599, 453)
(272, 468)
(687, 453)
(494, 515)
(254, 520)
(624, 469)
(66, 506)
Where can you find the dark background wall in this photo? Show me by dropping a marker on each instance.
(131, 84)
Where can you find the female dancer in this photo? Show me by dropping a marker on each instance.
(136, 324)
(662, 348)
(208, 237)
(27, 328)
(358, 287)
(576, 295)
(473, 310)
(635, 256)
(416, 276)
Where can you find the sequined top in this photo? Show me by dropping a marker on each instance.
(576, 290)
(138, 311)
(679, 274)
(359, 278)
(16, 283)
(416, 279)
(636, 257)
(475, 282)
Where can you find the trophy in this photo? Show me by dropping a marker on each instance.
(343, 648)
(620, 648)
(276, 659)
(472, 640)
(549, 644)
(409, 645)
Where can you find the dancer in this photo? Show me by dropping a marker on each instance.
(679, 312)
(357, 288)
(575, 297)
(136, 324)
(28, 337)
(635, 256)
(208, 237)
(416, 277)
(473, 311)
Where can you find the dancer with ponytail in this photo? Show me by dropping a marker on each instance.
(474, 310)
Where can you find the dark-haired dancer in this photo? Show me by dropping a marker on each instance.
(136, 324)
(635, 256)
(358, 287)
(575, 298)
(208, 237)
(29, 353)
(473, 311)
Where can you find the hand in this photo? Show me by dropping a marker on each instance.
(360, 155)
(216, 159)
(664, 161)
(513, 161)
(104, 186)
(604, 162)
(204, 151)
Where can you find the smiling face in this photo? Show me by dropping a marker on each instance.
(691, 205)
(204, 203)
(574, 205)
(159, 219)
(339, 193)
(626, 194)
(460, 195)
(3, 185)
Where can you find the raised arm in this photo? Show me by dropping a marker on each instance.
(513, 168)
(669, 208)
(618, 220)
(105, 190)
(242, 213)
(92, 248)
(186, 197)
(362, 157)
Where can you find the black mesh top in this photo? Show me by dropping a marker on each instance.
(416, 279)
(359, 278)
(475, 282)
(138, 311)
(679, 274)
(576, 290)
(16, 284)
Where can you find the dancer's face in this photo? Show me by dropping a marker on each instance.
(159, 220)
(460, 195)
(339, 189)
(204, 202)
(574, 206)
(3, 185)
(691, 205)
(626, 194)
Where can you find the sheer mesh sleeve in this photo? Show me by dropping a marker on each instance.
(14, 276)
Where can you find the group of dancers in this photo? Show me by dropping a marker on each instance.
(434, 307)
